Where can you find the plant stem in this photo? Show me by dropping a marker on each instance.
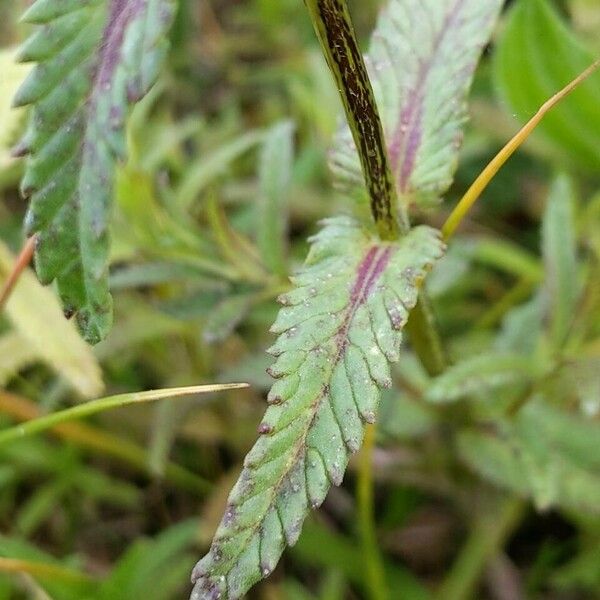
(488, 536)
(366, 516)
(44, 570)
(334, 28)
(21, 264)
(97, 440)
(424, 337)
(89, 408)
(479, 185)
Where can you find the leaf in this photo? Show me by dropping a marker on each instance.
(60, 578)
(209, 167)
(421, 61)
(536, 56)
(559, 248)
(582, 377)
(494, 459)
(37, 318)
(276, 164)
(521, 328)
(13, 75)
(535, 457)
(95, 59)
(574, 437)
(338, 330)
(225, 317)
(233, 246)
(478, 374)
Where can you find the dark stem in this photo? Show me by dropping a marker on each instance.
(335, 31)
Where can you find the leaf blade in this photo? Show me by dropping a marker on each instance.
(338, 330)
(537, 55)
(275, 175)
(559, 249)
(94, 62)
(422, 104)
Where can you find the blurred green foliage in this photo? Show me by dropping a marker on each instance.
(487, 477)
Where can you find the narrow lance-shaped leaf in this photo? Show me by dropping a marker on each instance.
(559, 246)
(338, 331)
(276, 162)
(95, 59)
(484, 373)
(335, 31)
(421, 61)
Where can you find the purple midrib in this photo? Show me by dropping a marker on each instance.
(121, 12)
(370, 269)
(406, 139)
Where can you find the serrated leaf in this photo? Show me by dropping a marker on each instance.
(559, 248)
(478, 374)
(339, 329)
(421, 62)
(95, 59)
(536, 56)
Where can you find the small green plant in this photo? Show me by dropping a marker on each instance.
(363, 282)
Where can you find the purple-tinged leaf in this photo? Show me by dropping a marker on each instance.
(95, 59)
(339, 329)
(421, 62)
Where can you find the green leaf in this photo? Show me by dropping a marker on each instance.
(276, 163)
(95, 59)
(421, 61)
(13, 75)
(582, 378)
(521, 328)
(339, 329)
(478, 374)
(538, 55)
(575, 437)
(225, 317)
(545, 454)
(559, 248)
(207, 168)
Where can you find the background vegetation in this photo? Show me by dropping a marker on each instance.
(487, 478)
